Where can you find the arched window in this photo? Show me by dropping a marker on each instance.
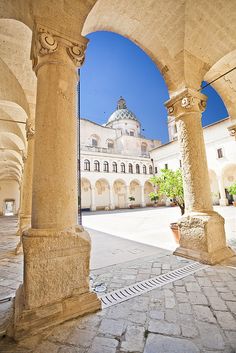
(144, 169)
(106, 167)
(137, 169)
(96, 166)
(94, 142)
(143, 148)
(114, 167)
(122, 167)
(150, 169)
(130, 168)
(86, 165)
(110, 144)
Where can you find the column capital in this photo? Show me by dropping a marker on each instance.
(186, 101)
(30, 130)
(232, 130)
(51, 46)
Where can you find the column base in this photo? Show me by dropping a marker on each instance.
(24, 223)
(34, 321)
(204, 256)
(224, 202)
(56, 280)
(202, 238)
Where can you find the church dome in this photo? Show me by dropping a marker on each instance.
(121, 113)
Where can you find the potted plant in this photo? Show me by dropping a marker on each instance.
(131, 199)
(154, 197)
(232, 191)
(170, 184)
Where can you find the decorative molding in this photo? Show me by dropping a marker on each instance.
(232, 130)
(186, 101)
(76, 53)
(30, 130)
(47, 41)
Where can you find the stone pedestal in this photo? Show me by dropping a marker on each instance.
(202, 234)
(56, 280)
(56, 250)
(203, 238)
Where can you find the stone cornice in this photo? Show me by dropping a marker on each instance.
(51, 46)
(186, 101)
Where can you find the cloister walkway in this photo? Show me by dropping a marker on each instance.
(196, 314)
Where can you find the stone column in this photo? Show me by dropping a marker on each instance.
(202, 229)
(111, 198)
(143, 203)
(56, 250)
(26, 188)
(223, 199)
(93, 204)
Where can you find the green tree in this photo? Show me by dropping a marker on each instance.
(232, 189)
(170, 183)
(153, 196)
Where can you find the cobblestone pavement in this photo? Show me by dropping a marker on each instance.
(194, 315)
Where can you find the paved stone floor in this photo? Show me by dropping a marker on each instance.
(195, 314)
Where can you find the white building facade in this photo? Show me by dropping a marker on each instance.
(115, 162)
(221, 157)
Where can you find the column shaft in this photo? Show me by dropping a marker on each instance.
(202, 234)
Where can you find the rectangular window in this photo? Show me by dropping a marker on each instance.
(166, 166)
(131, 133)
(220, 153)
(180, 163)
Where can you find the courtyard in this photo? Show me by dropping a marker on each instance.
(191, 313)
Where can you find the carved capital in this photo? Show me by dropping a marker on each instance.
(30, 130)
(186, 101)
(77, 54)
(50, 45)
(232, 130)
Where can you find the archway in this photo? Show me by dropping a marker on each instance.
(85, 194)
(120, 194)
(148, 187)
(135, 191)
(228, 178)
(102, 198)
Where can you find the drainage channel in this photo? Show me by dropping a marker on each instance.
(139, 288)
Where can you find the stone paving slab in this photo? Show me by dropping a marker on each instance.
(194, 314)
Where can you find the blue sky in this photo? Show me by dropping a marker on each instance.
(115, 67)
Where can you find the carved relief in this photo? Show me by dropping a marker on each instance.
(187, 102)
(76, 53)
(30, 131)
(46, 41)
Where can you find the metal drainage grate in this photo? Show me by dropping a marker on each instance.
(134, 290)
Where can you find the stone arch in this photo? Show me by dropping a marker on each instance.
(225, 87)
(120, 193)
(86, 199)
(135, 191)
(148, 187)
(102, 196)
